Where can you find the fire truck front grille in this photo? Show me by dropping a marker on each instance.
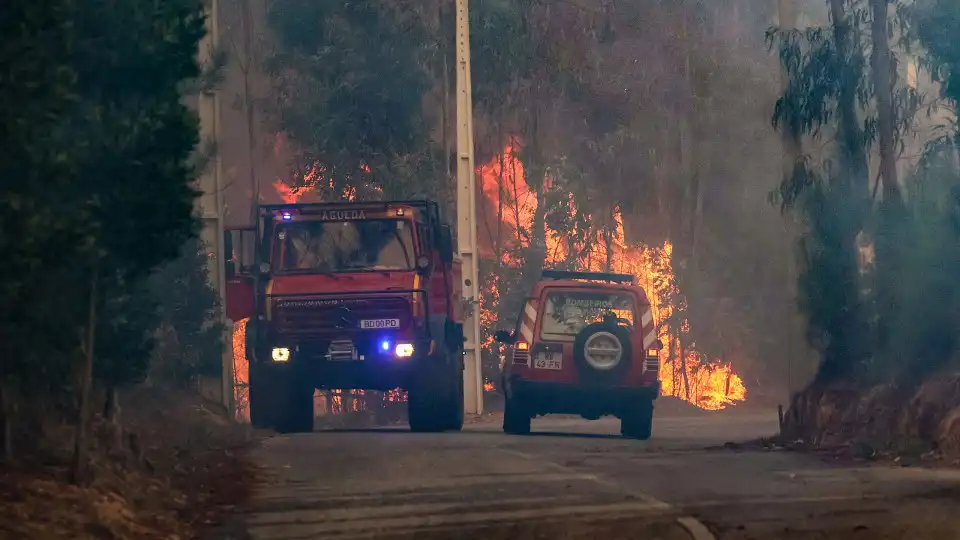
(329, 318)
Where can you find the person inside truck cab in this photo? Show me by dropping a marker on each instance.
(388, 246)
(319, 246)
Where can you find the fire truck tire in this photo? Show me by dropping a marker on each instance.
(516, 419)
(424, 412)
(262, 411)
(436, 404)
(296, 414)
(638, 422)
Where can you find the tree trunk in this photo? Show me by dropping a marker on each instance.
(881, 64)
(111, 413)
(791, 150)
(608, 246)
(7, 415)
(683, 370)
(79, 463)
(851, 134)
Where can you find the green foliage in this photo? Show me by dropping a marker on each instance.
(937, 27)
(125, 334)
(876, 279)
(348, 84)
(97, 184)
(190, 336)
(829, 282)
(36, 90)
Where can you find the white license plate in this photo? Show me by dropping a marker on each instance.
(548, 360)
(375, 324)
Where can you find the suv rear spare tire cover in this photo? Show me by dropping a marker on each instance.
(603, 352)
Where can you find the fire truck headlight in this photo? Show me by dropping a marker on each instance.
(280, 354)
(653, 353)
(404, 350)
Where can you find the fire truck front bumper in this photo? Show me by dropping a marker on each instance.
(373, 364)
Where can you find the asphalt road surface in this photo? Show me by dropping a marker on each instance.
(577, 479)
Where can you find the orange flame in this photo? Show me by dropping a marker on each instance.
(508, 209)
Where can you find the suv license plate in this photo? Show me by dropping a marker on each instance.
(548, 360)
(376, 324)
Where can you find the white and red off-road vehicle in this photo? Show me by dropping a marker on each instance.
(585, 343)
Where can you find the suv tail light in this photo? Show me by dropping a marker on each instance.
(653, 360)
(521, 353)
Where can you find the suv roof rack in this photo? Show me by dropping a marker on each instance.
(589, 276)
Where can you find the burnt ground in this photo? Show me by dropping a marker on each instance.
(183, 471)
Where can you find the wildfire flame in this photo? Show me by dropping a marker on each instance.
(508, 209)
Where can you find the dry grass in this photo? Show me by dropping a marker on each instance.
(184, 470)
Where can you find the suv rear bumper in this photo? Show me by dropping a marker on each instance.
(587, 400)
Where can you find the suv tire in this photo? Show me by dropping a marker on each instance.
(637, 423)
(588, 372)
(516, 419)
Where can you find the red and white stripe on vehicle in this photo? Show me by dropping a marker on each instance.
(649, 330)
(528, 321)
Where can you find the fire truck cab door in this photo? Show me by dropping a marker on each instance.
(239, 250)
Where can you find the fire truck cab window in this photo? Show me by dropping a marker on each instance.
(567, 312)
(345, 246)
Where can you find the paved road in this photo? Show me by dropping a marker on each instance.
(578, 479)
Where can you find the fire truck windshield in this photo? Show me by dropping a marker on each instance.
(344, 246)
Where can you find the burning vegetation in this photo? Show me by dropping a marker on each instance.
(509, 207)
(580, 240)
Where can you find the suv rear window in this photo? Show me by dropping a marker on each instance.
(566, 313)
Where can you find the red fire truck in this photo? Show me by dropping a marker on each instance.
(350, 295)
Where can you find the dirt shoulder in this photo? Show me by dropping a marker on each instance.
(178, 466)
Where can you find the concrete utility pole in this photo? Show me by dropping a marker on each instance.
(211, 203)
(467, 217)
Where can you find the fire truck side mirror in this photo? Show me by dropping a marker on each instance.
(504, 337)
(658, 345)
(445, 244)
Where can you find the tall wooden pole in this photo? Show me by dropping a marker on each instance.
(467, 217)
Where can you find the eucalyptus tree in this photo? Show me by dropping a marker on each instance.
(349, 80)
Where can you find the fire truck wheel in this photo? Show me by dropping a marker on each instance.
(435, 404)
(516, 419)
(296, 414)
(424, 411)
(638, 422)
(258, 399)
